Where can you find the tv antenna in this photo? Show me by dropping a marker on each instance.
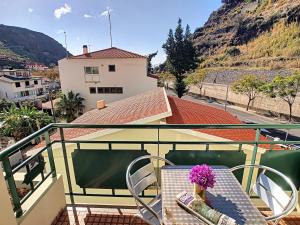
(89, 48)
(109, 19)
(107, 13)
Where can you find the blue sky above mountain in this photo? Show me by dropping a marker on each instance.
(137, 25)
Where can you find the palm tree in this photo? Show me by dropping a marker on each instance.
(5, 105)
(70, 105)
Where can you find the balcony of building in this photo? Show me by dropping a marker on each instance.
(66, 180)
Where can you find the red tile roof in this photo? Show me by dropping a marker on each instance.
(187, 112)
(108, 54)
(128, 110)
(154, 103)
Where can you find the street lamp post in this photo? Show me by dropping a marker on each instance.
(226, 98)
(52, 106)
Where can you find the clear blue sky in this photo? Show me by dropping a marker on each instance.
(137, 25)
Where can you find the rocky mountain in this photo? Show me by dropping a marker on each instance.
(19, 45)
(251, 32)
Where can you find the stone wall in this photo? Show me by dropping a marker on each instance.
(261, 103)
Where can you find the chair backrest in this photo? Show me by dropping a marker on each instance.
(287, 162)
(271, 193)
(143, 178)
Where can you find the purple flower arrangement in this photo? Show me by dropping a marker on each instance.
(202, 175)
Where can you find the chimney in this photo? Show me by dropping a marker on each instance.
(85, 49)
(100, 104)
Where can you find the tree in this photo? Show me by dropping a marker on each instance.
(285, 88)
(233, 51)
(181, 56)
(249, 85)
(51, 74)
(196, 78)
(23, 121)
(150, 57)
(70, 106)
(165, 77)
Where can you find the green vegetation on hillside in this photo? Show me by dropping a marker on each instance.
(282, 41)
(264, 33)
(18, 44)
(9, 54)
(276, 49)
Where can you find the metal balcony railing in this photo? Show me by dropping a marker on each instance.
(35, 165)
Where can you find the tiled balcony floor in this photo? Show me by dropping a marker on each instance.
(95, 215)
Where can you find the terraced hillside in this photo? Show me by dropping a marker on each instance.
(256, 33)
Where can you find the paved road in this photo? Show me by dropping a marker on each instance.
(248, 117)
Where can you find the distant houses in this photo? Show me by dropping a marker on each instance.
(110, 74)
(18, 85)
(36, 66)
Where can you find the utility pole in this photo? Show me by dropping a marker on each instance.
(226, 99)
(52, 106)
(65, 33)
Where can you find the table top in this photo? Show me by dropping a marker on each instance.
(227, 197)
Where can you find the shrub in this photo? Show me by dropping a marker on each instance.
(233, 51)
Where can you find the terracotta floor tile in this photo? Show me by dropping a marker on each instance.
(120, 216)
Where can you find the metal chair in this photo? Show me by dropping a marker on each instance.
(140, 180)
(272, 194)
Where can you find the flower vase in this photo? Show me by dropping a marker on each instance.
(199, 192)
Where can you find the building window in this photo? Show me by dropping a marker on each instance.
(100, 90)
(36, 82)
(18, 84)
(91, 70)
(93, 90)
(112, 68)
(27, 83)
(116, 90)
(110, 90)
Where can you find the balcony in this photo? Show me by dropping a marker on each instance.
(29, 86)
(88, 173)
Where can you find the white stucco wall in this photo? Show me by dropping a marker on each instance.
(131, 74)
(45, 203)
(7, 216)
(9, 90)
(6, 90)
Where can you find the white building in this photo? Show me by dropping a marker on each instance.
(36, 66)
(19, 85)
(15, 72)
(110, 74)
